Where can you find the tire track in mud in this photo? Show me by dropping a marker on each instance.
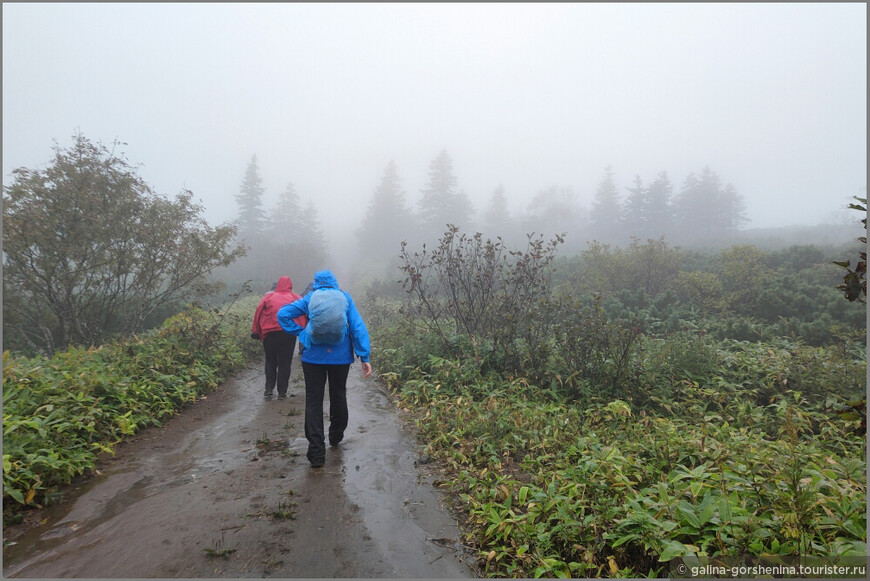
(224, 490)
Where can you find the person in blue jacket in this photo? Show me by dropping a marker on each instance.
(326, 362)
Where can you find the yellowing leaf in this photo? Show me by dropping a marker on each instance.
(30, 494)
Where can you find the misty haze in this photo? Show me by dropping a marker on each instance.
(614, 254)
(537, 107)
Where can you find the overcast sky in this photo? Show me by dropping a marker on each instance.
(771, 96)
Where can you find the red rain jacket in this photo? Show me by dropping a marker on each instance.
(266, 315)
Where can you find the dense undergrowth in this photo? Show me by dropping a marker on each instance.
(586, 439)
(60, 414)
(727, 465)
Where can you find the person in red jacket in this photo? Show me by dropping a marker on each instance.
(278, 345)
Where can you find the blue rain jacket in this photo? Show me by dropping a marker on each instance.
(355, 342)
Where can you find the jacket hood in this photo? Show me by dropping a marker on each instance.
(325, 279)
(284, 284)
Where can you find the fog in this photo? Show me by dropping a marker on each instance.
(772, 97)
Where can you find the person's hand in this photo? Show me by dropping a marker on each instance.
(255, 336)
(366, 368)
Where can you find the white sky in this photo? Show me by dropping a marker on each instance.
(773, 97)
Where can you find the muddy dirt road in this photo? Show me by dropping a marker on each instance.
(224, 490)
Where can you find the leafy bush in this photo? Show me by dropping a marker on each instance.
(483, 290)
(651, 266)
(854, 285)
(589, 350)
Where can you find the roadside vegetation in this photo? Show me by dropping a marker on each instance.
(601, 415)
(61, 413)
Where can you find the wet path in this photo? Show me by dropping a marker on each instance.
(224, 490)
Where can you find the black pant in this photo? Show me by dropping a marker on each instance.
(279, 347)
(316, 376)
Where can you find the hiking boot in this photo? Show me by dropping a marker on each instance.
(267, 394)
(317, 463)
(282, 396)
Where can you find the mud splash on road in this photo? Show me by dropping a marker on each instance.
(224, 490)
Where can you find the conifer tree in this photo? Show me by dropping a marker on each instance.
(288, 221)
(463, 212)
(605, 213)
(731, 210)
(704, 209)
(497, 220)
(312, 237)
(660, 218)
(252, 218)
(554, 211)
(635, 216)
(296, 246)
(307, 253)
(689, 207)
(440, 203)
(388, 220)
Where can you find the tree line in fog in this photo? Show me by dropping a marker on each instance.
(700, 208)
